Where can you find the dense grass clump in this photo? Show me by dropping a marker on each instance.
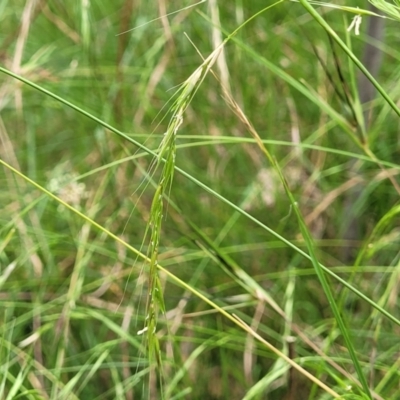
(199, 200)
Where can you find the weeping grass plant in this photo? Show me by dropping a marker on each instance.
(254, 323)
(166, 156)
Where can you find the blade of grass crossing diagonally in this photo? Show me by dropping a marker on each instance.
(130, 247)
(176, 280)
(191, 178)
(186, 175)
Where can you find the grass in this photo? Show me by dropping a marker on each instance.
(176, 198)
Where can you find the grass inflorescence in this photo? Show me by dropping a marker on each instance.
(197, 201)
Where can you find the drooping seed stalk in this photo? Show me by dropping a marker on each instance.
(166, 156)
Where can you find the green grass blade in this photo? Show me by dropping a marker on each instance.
(327, 289)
